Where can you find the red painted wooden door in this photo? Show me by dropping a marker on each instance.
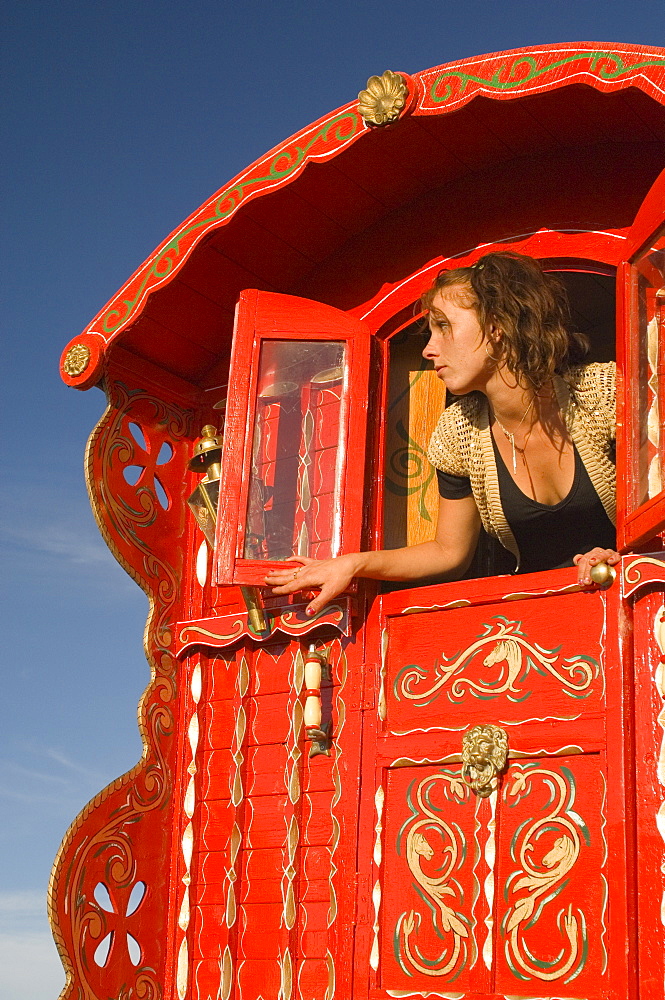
(523, 893)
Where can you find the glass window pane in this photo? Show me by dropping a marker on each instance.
(294, 502)
(647, 281)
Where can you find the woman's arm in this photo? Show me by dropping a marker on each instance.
(448, 555)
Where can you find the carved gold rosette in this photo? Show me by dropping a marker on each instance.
(76, 360)
(384, 99)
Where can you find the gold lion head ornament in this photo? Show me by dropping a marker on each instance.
(484, 755)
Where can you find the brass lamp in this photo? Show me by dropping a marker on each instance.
(203, 504)
(204, 500)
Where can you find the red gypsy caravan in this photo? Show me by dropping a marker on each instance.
(317, 814)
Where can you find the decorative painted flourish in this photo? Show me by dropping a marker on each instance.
(379, 800)
(224, 630)
(504, 643)
(410, 471)
(524, 70)
(641, 571)
(436, 890)
(534, 884)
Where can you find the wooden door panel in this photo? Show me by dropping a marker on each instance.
(454, 668)
(432, 927)
(525, 892)
(552, 890)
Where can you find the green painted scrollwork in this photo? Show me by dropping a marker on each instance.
(537, 881)
(524, 69)
(406, 465)
(433, 869)
(343, 127)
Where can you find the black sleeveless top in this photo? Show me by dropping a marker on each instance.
(547, 536)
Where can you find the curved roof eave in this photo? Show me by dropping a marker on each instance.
(501, 76)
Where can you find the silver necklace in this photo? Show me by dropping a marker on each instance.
(511, 437)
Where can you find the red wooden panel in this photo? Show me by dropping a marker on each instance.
(214, 868)
(270, 720)
(314, 891)
(262, 872)
(432, 904)
(272, 668)
(317, 821)
(298, 222)
(267, 820)
(173, 351)
(315, 864)
(279, 264)
(220, 673)
(261, 931)
(552, 880)
(318, 773)
(400, 149)
(322, 510)
(257, 977)
(216, 819)
(266, 766)
(314, 979)
(635, 526)
(315, 938)
(216, 770)
(186, 312)
(323, 470)
(508, 661)
(649, 631)
(212, 934)
(220, 720)
(352, 206)
(219, 278)
(207, 976)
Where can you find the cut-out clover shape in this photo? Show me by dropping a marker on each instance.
(116, 919)
(145, 474)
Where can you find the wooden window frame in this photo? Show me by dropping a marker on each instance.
(635, 527)
(263, 316)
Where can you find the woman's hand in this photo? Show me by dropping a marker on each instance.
(329, 576)
(585, 561)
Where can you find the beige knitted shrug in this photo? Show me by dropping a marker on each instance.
(461, 444)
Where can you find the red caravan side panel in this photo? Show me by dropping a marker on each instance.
(275, 829)
(124, 838)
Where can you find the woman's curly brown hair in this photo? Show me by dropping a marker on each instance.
(529, 307)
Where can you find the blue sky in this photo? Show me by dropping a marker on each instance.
(119, 120)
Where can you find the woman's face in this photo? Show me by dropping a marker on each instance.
(457, 343)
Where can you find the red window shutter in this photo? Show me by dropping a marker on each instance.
(294, 442)
(641, 363)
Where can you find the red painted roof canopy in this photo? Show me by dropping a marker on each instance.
(558, 136)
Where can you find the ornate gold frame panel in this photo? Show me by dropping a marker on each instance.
(108, 895)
